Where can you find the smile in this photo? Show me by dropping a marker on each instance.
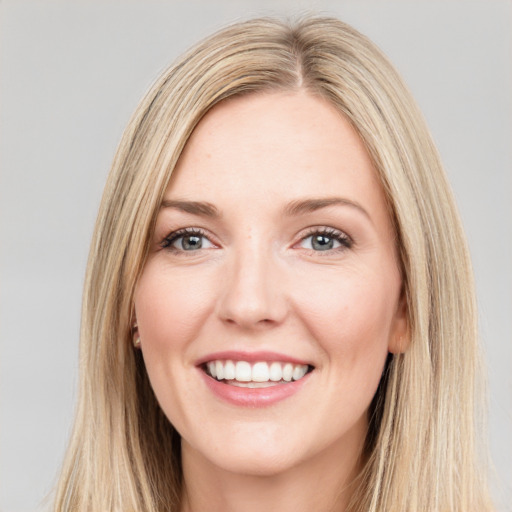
(259, 374)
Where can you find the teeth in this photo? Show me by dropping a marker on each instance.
(260, 374)
(229, 370)
(252, 384)
(242, 371)
(276, 372)
(219, 370)
(287, 372)
(212, 368)
(299, 372)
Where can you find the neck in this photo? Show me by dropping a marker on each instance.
(325, 483)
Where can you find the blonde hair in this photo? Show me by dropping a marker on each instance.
(422, 447)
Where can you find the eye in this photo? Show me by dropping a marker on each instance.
(188, 239)
(326, 240)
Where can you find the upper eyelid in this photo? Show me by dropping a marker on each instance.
(305, 233)
(174, 235)
(327, 230)
(185, 231)
(344, 239)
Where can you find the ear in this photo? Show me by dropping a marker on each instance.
(400, 335)
(135, 334)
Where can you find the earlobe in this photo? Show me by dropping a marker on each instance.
(400, 337)
(399, 345)
(135, 335)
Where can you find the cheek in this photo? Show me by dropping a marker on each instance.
(351, 317)
(170, 307)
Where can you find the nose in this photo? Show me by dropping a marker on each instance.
(252, 294)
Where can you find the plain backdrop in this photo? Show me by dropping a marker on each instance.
(71, 74)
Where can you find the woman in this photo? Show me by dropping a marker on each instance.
(279, 310)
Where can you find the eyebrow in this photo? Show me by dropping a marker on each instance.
(194, 207)
(310, 205)
(293, 208)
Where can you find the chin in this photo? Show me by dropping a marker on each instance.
(258, 463)
(256, 450)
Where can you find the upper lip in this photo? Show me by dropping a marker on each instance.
(252, 357)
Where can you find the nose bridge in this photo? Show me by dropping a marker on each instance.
(251, 293)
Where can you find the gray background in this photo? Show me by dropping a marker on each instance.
(71, 74)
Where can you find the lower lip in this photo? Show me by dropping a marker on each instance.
(253, 397)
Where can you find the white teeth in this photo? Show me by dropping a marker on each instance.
(252, 384)
(260, 374)
(276, 372)
(212, 368)
(243, 371)
(299, 372)
(229, 370)
(287, 372)
(219, 369)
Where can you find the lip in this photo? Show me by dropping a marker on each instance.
(250, 357)
(252, 397)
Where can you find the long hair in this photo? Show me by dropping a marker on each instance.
(423, 443)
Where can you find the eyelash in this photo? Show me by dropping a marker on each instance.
(175, 235)
(339, 236)
(343, 239)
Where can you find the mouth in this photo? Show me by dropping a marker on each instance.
(259, 374)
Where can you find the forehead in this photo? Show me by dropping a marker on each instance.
(267, 148)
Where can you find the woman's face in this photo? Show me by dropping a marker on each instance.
(272, 294)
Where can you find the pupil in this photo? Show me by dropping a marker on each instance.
(322, 243)
(191, 242)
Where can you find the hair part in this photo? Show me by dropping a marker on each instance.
(124, 454)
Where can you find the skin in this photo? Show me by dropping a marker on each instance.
(258, 283)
